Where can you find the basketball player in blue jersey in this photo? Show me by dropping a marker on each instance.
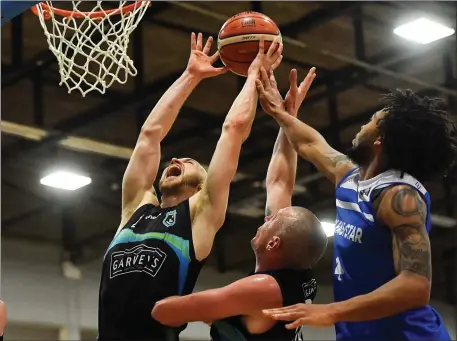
(160, 246)
(286, 247)
(382, 261)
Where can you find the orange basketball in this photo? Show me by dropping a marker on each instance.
(238, 39)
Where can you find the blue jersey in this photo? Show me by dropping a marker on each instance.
(363, 260)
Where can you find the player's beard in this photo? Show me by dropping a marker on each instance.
(179, 186)
(361, 154)
(171, 188)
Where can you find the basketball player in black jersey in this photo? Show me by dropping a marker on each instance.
(2, 319)
(160, 246)
(286, 246)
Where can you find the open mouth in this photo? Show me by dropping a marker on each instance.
(174, 171)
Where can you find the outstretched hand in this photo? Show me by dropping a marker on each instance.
(297, 94)
(269, 96)
(318, 315)
(270, 60)
(200, 63)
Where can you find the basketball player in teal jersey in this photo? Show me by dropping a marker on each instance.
(160, 246)
(382, 260)
(286, 247)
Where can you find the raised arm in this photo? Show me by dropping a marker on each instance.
(139, 177)
(282, 169)
(209, 207)
(307, 141)
(281, 172)
(247, 296)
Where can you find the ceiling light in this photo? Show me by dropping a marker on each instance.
(423, 31)
(65, 180)
(329, 228)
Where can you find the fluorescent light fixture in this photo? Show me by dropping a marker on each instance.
(329, 228)
(65, 180)
(423, 31)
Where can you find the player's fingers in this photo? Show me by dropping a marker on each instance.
(262, 45)
(208, 44)
(264, 78)
(286, 316)
(277, 52)
(291, 308)
(260, 89)
(221, 70)
(273, 80)
(306, 83)
(293, 81)
(270, 312)
(276, 63)
(200, 41)
(214, 57)
(193, 42)
(296, 324)
(273, 47)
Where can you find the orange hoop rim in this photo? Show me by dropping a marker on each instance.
(81, 15)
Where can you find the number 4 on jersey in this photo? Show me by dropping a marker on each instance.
(338, 268)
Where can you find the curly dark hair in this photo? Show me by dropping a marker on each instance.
(418, 135)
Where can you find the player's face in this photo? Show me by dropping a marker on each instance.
(366, 140)
(268, 231)
(182, 172)
(369, 131)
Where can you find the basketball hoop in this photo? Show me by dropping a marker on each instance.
(91, 47)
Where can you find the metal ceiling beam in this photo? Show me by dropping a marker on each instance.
(8, 223)
(17, 41)
(69, 236)
(316, 18)
(69, 142)
(41, 60)
(359, 37)
(64, 127)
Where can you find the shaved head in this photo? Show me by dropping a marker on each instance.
(303, 238)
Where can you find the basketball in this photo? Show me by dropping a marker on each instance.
(238, 39)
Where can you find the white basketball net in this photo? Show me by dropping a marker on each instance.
(92, 52)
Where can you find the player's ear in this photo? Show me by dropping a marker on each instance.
(273, 243)
(378, 142)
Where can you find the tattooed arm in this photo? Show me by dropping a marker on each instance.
(313, 147)
(404, 212)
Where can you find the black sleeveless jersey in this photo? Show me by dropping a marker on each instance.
(151, 258)
(296, 287)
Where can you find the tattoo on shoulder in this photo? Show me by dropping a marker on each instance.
(411, 239)
(338, 159)
(407, 202)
